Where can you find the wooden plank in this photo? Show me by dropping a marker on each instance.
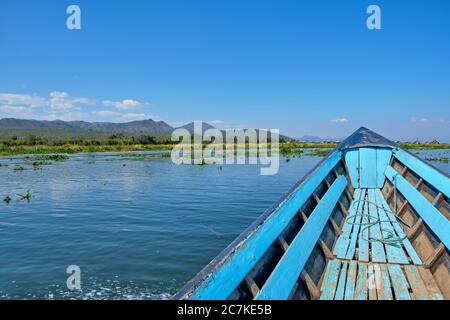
(435, 255)
(437, 199)
(385, 292)
(425, 171)
(326, 251)
(251, 284)
(399, 282)
(342, 243)
(355, 232)
(371, 282)
(340, 291)
(383, 158)
(416, 283)
(437, 222)
(378, 254)
(223, 279)
(361, 282)
(367, 168)
(330, 280)
(284, 276)
(416, 228)
(433, 289)
(398, 229)
(394, 251)
(363, 244)
(351, 280)
(282, 243)
(352, 162)
(314, 292)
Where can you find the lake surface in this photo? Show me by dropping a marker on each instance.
(138, 227)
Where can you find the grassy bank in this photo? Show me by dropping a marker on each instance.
(34, 145)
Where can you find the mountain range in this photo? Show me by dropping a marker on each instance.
(10, 127)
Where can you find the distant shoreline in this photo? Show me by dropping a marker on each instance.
(10, 147)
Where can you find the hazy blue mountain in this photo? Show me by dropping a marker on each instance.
(190, 127)
(318, 139)
(19, 127)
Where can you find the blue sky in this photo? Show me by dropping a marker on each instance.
(304, 67)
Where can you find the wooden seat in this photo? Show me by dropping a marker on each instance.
(367, 268)
(352, 280)
(369, 205)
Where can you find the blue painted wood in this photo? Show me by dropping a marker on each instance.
(400, 233)
(340, 290)
(385, 290)
(361, 282)
(223, 281)
(429, 214)
(330, 280)
(399, 282)
(363, 244)
(351, 280)
(383, 158)
(378, 254)
(356, 227)
(367, 168)
(283, 278)
(394, 251)
(426, 172)
(342, 243)
(418, 286)
(352, 162)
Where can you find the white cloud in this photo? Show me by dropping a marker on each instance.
(60, 105)
(32, 101)
(216, 122)
(127, 104)
(339, 120)
(423, 120)
(62, 100)
(16, 112)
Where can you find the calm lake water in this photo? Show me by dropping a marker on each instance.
(138, 227)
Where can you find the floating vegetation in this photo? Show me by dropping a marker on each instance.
(40, 163)
(7, 199)
(19, 168)
(318, 152)
(442, 159)
(26, 196)
(287, 150)
(48, 157)
(425, 146)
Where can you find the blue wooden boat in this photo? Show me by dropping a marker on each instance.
(370, 222)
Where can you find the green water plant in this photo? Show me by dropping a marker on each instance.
(441, 159)
(7, 199)
(26, 196)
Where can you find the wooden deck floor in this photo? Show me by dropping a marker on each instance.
(375, 270)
